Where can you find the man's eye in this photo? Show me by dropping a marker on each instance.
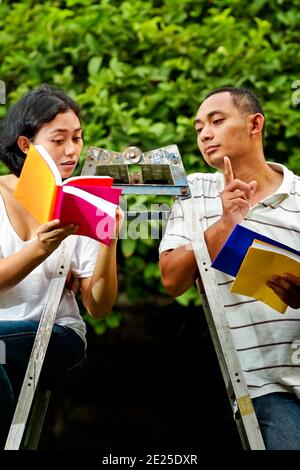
(77, 139)
(218, 121)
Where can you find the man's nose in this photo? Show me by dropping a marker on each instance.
(206, 133)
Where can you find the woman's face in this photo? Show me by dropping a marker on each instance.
(62, 138)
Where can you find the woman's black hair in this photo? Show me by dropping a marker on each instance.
(27, 117)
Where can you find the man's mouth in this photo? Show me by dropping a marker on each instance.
(210, 149)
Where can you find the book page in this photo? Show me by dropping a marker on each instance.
(94, 215)
(51, 164)
(97, 202)
(275, 249)
(37, 186)
(79, 181)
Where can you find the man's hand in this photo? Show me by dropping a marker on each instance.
(51, 234)
(287, 287)
(236, 196)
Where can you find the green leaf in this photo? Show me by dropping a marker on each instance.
(190, 296)
(128, 247)
(113, 320)
(94, 65)
(152, 271)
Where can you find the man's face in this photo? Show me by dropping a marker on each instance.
(221, 130)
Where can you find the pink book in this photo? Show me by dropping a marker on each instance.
(93, 208)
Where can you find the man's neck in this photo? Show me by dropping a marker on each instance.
(268, 180)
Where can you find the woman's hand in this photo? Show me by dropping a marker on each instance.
(51, 234)
(119, 222)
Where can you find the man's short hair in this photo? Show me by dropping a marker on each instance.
(244, 99)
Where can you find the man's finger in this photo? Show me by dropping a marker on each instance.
(295, 280)
(228, 173)
(253, 186)
(279, 282)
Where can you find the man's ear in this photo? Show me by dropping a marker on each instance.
(23, 143)
(257, 121)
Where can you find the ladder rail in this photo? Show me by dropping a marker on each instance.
(216, 341)
(222, 337)
(36, 420)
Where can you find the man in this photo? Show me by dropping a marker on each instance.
(264, 197)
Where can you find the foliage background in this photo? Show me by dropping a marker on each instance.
(140, 68)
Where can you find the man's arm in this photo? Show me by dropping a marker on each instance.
(179, 270)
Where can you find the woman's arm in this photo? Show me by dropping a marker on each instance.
(99, 292)
(15, 268)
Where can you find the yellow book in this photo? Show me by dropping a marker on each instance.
(38, 184)
(261, 262)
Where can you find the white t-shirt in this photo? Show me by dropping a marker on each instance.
(264, 339)
(26, 300)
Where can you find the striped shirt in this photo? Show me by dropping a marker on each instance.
(266, 341)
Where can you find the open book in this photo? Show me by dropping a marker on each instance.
(253, 258)
(231, 255)
(260, 263)
(88, 201)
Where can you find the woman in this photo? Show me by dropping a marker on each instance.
(29, 252)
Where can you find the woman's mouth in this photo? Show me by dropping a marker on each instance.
(69, 163)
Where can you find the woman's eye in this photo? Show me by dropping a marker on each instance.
(77, 139)
(58, 141)
(218, 121)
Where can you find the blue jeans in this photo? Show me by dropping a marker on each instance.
(278, 415)
(64, 357)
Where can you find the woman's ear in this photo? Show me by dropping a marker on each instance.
(23, 143)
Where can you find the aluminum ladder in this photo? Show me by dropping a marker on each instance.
(30, 393)
(161, 172)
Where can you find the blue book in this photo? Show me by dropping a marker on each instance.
(231, 255)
